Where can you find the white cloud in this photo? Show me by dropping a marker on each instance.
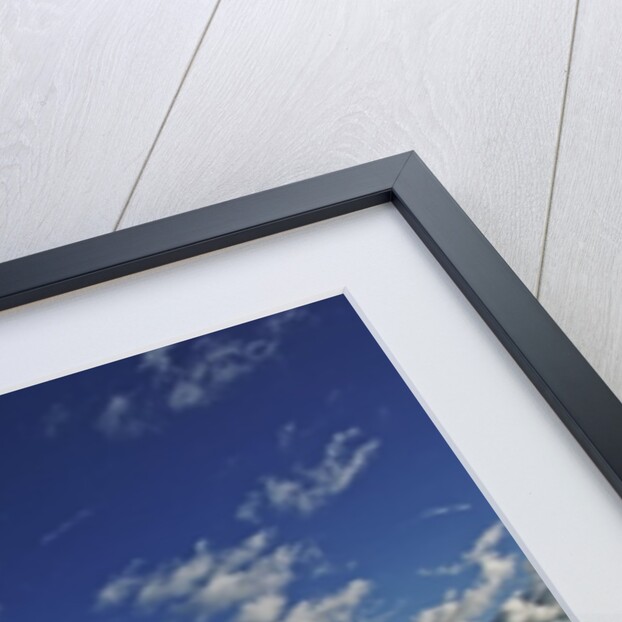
(517, 609)
(534, 604)
(120, 589)
(445, 510)
(186, 394)
(265, 608)
(338, 607)
(249, 509)
(219, 361)
(494, 569)
(311, 488)
(66, 526)
(158, 360)
(178, 580)
(122, 419)
(248, 583)
(207, 581)
(208, 367)
(334, 474)
(217, 364)
(214, 365)
(276, 324)
(235, 586)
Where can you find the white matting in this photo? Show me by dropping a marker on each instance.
(551, 496)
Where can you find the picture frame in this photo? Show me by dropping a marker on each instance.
(575, 392)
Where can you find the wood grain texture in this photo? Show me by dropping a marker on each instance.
(282, 91)
(582, 275)
(84, 87)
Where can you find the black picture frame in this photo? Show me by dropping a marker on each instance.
(572, 388)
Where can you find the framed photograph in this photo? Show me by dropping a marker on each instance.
(332, 401)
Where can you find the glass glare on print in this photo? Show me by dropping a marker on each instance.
(276, 471)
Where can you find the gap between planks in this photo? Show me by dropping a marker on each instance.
(167, 114)
(547, 218)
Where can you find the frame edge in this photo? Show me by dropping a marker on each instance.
(562, 375)
(572, 388)
(120, 253)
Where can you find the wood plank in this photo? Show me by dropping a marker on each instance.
(84, 87)
(582, 276)
(282, 91)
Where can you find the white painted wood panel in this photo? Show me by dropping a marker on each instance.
(582, 275)
(282, 91)
(84, 87)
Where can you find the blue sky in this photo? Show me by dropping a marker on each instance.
(277, 471)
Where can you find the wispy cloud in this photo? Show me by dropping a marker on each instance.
(66, 526)
(248, 582)
(345, 456)
(286, 434)
(338, 607)
(442, 571)
(54, 420)
(249, 509)
(494, 570)
(124, 418)
(157, 360)
(334, 396)
(209, 367)
(445, 510)
(218, 361)
(219, 364)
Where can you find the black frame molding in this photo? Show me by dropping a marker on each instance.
(581, 399)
